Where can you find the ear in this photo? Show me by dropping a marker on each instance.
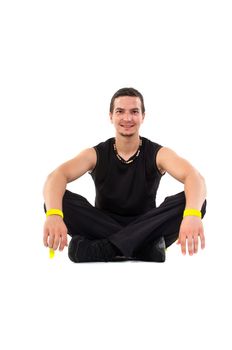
(111, 116)
(143, 117)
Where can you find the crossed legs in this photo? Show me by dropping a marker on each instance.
(128, 234)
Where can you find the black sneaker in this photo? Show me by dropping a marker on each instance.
(152, 251)
(82, 249)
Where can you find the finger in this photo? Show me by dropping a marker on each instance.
(190, 245)
(183, 245)
(202, 237)
(45, 237)
(51, 240)
(63, 242)
(56, 242)
(195, 241)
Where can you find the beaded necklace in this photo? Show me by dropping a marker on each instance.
(131, 159)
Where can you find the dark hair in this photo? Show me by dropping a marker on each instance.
(127, 92)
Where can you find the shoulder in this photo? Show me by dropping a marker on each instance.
(99, 153)
(152, 150)
(161, 155)
(154, 146)
(104, 144)
(164, 155)
(90, 155)
(175, 165)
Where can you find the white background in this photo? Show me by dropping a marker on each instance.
(60, 63)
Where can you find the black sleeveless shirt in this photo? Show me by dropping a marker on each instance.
(126, 189)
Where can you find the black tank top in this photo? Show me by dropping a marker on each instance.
(126, 189)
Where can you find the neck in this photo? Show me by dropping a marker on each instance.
(127, 144)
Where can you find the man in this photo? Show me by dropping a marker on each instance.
(125, 223)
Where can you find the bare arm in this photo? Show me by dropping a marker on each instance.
(183, 171)
(56, 182)
(195, 190)
(54, 189)
(195, 193)
(55, 231)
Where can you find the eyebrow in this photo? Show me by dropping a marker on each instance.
(123, 109)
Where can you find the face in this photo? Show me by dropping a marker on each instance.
(127, 115)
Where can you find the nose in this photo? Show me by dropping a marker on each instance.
(127, 116)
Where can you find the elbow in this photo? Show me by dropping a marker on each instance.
(49, 177)
(53, 177)
(56, 173)
(204, 184)
(195, 175)
(202, 179)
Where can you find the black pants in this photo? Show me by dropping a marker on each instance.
(129, 234)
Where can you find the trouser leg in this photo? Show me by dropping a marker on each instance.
(128, 234)
(162, 221)
(81, 218)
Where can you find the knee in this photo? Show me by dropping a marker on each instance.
(74, 199)
(71, 196)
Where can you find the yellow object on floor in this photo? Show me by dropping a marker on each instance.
(51, 253)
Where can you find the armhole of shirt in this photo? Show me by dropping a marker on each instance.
(155, 163)
(96, 150)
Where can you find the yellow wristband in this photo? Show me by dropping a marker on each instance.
(55, 212)
(192, 212)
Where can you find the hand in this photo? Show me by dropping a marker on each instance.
(55, 232)
(191, 227)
